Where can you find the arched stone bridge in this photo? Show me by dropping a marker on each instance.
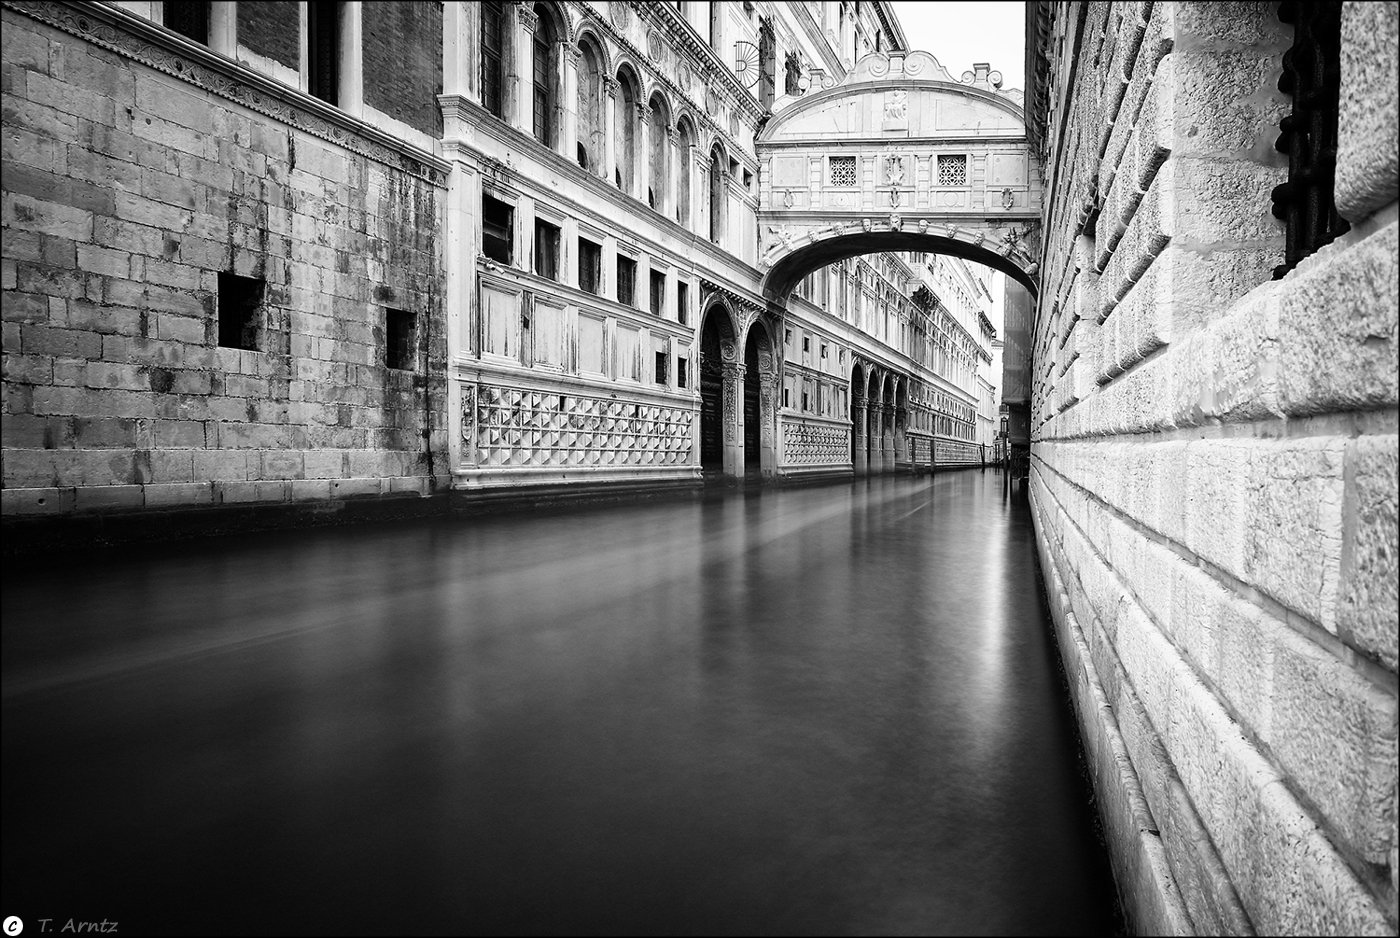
(899, 156)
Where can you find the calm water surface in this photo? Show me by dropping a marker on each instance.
(820, 710)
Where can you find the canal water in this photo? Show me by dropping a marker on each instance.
(830, 710)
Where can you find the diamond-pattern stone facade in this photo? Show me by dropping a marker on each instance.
(517, 427)
(813, 445)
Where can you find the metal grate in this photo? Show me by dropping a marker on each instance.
(952, 170)
(843, 171)
(1312, 75)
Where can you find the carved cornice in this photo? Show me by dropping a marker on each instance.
(127, 34)
(713, 68)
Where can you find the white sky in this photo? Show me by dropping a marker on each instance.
(959, 34)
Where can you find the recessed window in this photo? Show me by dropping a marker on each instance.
(493, 31)
(806, 343)
(240, 311)
(497, 229)
(626, 281)
(843, 171)
(590, 266)
(681, 376)
(682, 303)
(546, 249)
(400, 347)
(190, 20)
(823, 351)
(323, 50)
(952, 170)
(661, 368)
(658, 293)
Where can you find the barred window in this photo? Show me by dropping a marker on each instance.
(843, 170)
(952, 170)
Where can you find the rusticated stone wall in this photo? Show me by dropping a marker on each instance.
(1214, 468)
(127, 191)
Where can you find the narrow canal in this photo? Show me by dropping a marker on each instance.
(827, 710)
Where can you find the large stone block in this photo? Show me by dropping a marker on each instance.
(1339, 338)
(1368, 608)
(1368, 164)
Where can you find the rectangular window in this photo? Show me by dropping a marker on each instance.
(681, 376)
(806, 343)
(590, 345)
(629, 353)
(626, 281)
(661, 368)
(493, 20)
(190, 20)
(823, 351)
(682, 303)
(323, 50)
(658, 293)
(240, 311)
(590, 266)
(546, 250)
(843, 171)
(497, 229)
(399, 346)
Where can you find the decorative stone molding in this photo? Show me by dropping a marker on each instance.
(128, 35)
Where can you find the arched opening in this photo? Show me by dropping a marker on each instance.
(715, 333)
(716, 194)
(872, 425)
(659, 138)
(590, 107)
(753, 411)
(545, 77)
(627, 131)
(901, 423)
(858, 463)
(685, 140)
(887, 424)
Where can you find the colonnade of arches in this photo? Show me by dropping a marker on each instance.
(739, 382)
(879, 420)
(600, 110)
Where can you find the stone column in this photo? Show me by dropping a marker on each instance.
(520, 110)
(568, 109)
(887, 438)
(673, 164)
(641, 160)
(858, 418)
(609, 155)
(733, 418)
(767, 409)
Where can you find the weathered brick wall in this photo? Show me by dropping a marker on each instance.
(126, 192)
(271, 28)
(402, 51)
(1214, 472)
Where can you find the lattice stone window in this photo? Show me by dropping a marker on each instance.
(843, 170)
(952, 170)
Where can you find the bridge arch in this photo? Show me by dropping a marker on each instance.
(898, 156)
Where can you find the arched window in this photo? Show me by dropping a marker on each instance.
(590, 108)
(683, 173)
(716, 194)
(626, 132)
(660, 141)
(544, 84)
(493, 51)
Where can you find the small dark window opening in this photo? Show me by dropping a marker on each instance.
(658, 293)
(1312, 74)
(190, 20)
(590, 266)
(400, 347)
(546, 250)
(682, 302)
(323, 49)
(805, 402)
(497, 229)
(661, 368)
(626, 281)
(493, 29)
(240, 304)
(583, 156)
(806, 343)
(786, 396)
(651, 197)
(680, 372)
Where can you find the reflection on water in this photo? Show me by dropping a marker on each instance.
(827, 710)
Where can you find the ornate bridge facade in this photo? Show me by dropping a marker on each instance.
(901, 156)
